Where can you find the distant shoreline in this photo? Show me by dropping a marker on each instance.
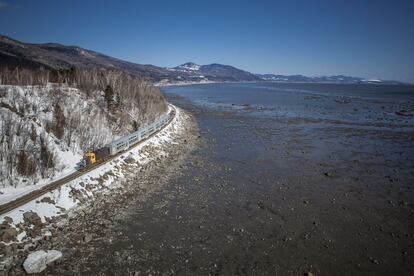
(186, 83)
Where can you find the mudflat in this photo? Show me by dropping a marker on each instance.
(270, 195)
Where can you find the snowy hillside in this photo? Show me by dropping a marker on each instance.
(194, 73)
(44, 130)
(189, 66)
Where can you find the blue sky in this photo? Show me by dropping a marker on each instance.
(359, 38)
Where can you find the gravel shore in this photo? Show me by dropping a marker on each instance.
(240, 195)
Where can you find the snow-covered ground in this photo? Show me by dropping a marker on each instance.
(101, 180)
(25, 110)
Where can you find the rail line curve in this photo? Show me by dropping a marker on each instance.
(11, 205)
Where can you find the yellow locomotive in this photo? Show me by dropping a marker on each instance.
(92, 157)
(89, 157)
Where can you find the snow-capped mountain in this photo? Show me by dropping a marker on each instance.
(188, 67)
(214, 72)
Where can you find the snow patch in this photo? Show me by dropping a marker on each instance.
(190, 66)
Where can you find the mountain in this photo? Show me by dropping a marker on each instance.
(340, 79)
(187, 67)
(215, 72)
(57, 56)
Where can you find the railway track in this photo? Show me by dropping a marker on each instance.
(14, 204)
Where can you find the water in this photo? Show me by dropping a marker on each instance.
(367, 105)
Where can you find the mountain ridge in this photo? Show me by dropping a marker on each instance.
(59, 56)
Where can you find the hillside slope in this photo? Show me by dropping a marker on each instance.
(45, 129)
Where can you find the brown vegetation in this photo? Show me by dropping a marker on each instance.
(46, 157)
(25, 165)
(59, 122)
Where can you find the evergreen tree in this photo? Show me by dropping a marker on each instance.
(59, 122)
(135, 125)
(46, 157)
(109, 96)
(33, 134)
(25, 166)
(118, 99)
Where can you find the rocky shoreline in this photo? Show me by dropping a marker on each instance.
(254, 196)
(79, 227)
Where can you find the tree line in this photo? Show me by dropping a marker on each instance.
(119, 86)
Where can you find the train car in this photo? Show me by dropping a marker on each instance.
(118, 145)
(123, 143)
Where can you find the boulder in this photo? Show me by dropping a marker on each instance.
(31, 217)
(8, 220)
(37, 261)
(129, 160)
(47, 199)
(8, 234)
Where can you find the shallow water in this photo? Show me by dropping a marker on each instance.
(371, 105)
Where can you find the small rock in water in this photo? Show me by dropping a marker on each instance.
(37, 261)
(328, 174)
(87, 238)
(374, 261)
(403, 113)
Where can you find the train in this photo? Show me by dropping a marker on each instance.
(92, 157)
